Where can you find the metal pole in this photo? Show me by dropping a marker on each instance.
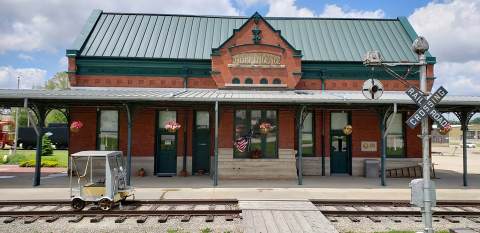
(215, 177)
(464, 139)
(384, 148)
(16, 122)
(427, 209)
(129, 143)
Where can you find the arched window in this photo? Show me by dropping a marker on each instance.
(263, 81)
(277, 81)
(248, 81)
(235, 80)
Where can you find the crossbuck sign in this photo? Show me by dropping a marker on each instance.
(427, 107)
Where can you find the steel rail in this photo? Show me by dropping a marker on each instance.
(397, 213)
(128, 202)
(445, 203)
(121, 213)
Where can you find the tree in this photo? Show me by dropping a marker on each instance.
(58, 82)
(47, 147)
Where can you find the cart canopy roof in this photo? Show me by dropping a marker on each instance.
(96, 153)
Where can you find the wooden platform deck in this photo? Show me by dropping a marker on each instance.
(284, 217)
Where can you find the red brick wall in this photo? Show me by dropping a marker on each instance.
(225, 127)
(413, 143)
(241, 42)
(140, 81)
(86, 138)
(143, 133)
(286, 133)
(365, 126)
(318, 132)
(356, 85)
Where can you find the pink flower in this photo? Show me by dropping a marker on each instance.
(172, 125)
(76, 125)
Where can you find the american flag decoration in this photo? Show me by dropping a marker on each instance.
(242, 143)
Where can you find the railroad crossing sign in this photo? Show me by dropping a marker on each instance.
(427, 107)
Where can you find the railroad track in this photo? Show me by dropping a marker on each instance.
(451, 211)
(52, 210)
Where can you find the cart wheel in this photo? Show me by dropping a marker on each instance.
(77, 204)
(105, 204)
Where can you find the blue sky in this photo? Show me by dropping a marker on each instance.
(35, 34)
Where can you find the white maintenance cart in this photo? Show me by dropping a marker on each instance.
(101, 179)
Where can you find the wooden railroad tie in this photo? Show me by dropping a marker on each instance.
(31, 219)
(76, 219)
(209, 218)
(97, 218)
(9, 220)
(374, 219)
(120, 219)
(163, 218)
(52, 219)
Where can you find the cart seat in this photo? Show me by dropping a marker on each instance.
(94, 185)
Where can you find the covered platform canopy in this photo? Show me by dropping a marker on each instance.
(41, 101)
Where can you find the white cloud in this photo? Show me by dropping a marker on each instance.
(25, 57)
(29, 77)
(335, 11)
(459, 77)
(289, 8)
(452, 29)
(52, 25)
(63, 62)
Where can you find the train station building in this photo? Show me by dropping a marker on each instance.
(242, 96)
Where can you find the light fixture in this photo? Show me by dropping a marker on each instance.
(420, 45)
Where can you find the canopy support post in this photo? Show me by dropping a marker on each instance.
(464, 118)
(40, 113)
(130, 113)
(300, 118)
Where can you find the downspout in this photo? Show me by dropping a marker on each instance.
(185, 146)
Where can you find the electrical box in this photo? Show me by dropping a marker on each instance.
(416, 198)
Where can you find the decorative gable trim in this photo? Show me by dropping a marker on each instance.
(256, 17)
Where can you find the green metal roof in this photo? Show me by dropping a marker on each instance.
(193, 37)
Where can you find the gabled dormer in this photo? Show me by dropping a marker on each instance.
(256, 56)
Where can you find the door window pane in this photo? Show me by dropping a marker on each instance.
(165, 116)
(395, 143)
(339, 120)
(202, 120)
(307, 135)
(108, 130)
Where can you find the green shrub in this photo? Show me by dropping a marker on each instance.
(47, 147)
(45, 163)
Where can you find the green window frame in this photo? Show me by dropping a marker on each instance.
(248, 81)
(264, 145)
(396, 137)
(277, 81)
(308, 135)
(263, 81)
(107, 130)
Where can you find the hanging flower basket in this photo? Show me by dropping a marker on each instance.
(265, 127)
(445, 130)
(347, 130)
(76, 126)
(172, 126)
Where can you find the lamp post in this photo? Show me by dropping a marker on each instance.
(16, 122)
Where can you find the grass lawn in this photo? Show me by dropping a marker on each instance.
(61, 156)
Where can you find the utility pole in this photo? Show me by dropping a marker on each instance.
(16, 121)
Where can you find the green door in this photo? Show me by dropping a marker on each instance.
(166, 153)
(338, 152)
(340, 161)
(201, 143)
